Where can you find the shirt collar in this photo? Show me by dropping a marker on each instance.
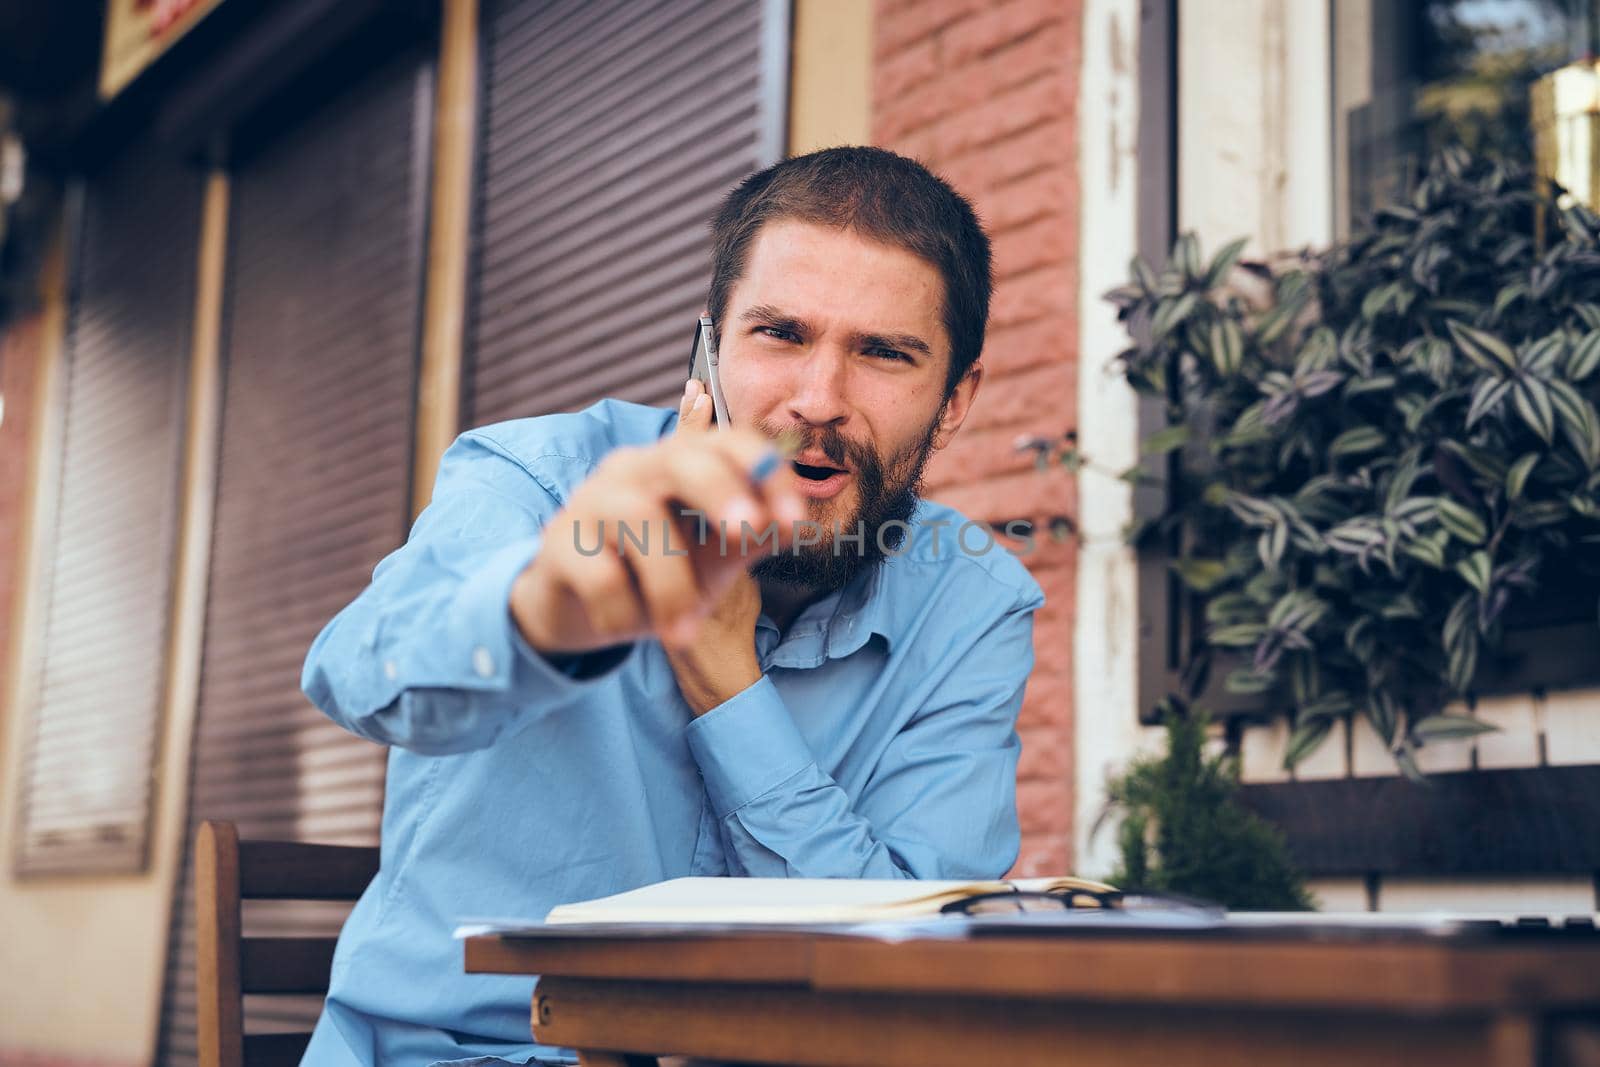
(863, 610)
(833, 627)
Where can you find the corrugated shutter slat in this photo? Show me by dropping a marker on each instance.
(611, 132)
(313, 486)
(87, 793)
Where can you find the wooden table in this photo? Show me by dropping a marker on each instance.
(1087, 999)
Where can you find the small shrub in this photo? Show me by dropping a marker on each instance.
(1183, 830)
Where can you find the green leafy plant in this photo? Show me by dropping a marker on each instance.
(1183, 830)
(1375, 450)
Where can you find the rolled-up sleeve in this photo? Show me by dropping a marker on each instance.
(940, 804)
(428, 656)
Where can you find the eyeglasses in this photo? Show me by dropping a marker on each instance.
(1030, 901)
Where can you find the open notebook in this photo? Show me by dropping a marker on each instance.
(793, 900)
(898, 910)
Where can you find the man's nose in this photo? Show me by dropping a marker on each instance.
(818, 396)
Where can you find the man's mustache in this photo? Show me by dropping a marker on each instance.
(840, 450)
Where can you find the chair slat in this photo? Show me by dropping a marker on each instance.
(227, 871)
(285, 964)
(290, 870)
(219, 1010)
(274, 1050)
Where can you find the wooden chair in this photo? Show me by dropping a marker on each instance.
(228, 965)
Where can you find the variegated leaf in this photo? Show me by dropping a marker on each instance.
(1428, 550)
(1356, 440)
(1222, 264)
(1227, 347)
(1463, 523)
(1542, 355)
(1242, 635)
(1585, 358)
(1475, 570)
(1517, 476)
(1171, 313)
(1244, 680)
(1486, 398)
(1307, 737)
(1506, 297)
(1383, 715)
(1532, 400)
(1484, 349)
(1448, 727)
(1186, 256)
(1166, 440)
(1579, 422)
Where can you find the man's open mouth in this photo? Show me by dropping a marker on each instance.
(815, 473)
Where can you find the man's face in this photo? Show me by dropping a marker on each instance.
(841, 339)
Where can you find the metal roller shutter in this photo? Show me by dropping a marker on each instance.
(101, 683)
(611, 131)
(324, 281)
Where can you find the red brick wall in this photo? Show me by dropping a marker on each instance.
(19, 345)
(986, 94)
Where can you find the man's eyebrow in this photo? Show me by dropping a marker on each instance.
(772, 316)
(768, 315)
(895, 340)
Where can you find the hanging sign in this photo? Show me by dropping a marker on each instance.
(138, 31)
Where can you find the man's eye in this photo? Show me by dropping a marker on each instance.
(892, 355)
(777, 332)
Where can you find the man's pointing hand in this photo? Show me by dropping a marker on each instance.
(624, 561)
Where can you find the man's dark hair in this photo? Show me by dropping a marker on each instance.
(882, 196)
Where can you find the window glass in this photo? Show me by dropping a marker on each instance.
(1413, 75)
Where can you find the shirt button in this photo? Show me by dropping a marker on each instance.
(390, 671)
(483, 662)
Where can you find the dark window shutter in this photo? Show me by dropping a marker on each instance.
(610, 133)
(324, 283)
(101, 681)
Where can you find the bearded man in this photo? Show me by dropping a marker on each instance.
(579, 705)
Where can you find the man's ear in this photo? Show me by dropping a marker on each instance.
(958, 404)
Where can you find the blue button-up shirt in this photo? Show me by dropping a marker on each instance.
(879, 743)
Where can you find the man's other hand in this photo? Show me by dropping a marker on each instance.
(721, 661)
(621, 561)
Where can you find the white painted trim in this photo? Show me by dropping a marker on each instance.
(1105, 637)
(1572, 727)
(1516, 740)
(1339, 894)
(1555, 895)
(777, 28)
(1248, 164)
(1307, 203)
(1255, 140)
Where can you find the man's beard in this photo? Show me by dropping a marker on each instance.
(887, 494)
